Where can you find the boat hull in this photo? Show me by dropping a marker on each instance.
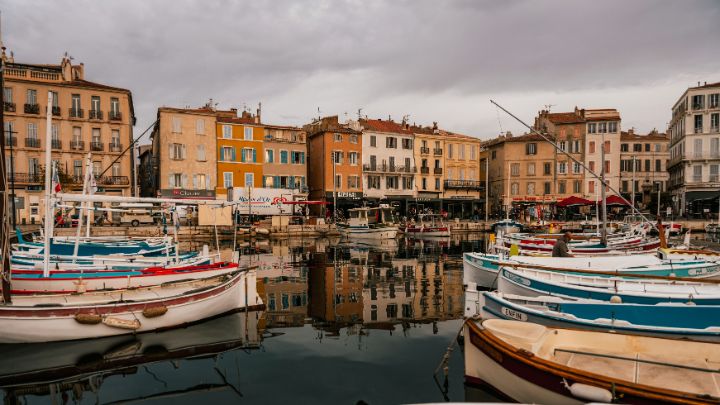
(369, 233)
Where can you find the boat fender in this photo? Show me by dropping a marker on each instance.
(88, 319)
(589, 392)
(121, 323)
(615, 299)
(154, 312)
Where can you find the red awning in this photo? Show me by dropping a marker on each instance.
(616, 200)
(305, 202)
(574, 201)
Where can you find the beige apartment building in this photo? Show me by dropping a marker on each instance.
(183, 159)
(602, 133)
(87, 118)
(429, 158)
(462, 185)
(568, 129)
(643, 166)
(285, 164)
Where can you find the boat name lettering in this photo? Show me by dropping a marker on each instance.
(511, 313)
(516, 278)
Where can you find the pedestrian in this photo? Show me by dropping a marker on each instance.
(560, 248)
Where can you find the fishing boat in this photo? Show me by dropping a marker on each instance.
(533, 283)
(482, 268)
(668, 320)
(429, 225)
(506, 226)
(369, 223)
(82, 281)
(67, 247)
(52, 318)
(712, 228)
(29, 261)
(543, 365)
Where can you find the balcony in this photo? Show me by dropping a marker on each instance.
(698, 106)
(97, 146)
(32, 109)
(437, 152)
(55, 111)
(405, 169)
(425, 151)
(10, 140)
(698, 130)
(96, 115)
(76, 112)
(32, 142)
(113, 180)
(30, 178)
(56, 144)
(437, 170)
(465, 184)
(115, 147)
(77, 145)
(9, 107)
(424, 170)
(115, 116)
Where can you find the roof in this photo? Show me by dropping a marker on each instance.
(85, 83)
(522, 138)
(202, 110)
(454, 135)
(652, 136)
(238, 120)
(564, 118)
(385, 126)
(707, 86)
(287, 127)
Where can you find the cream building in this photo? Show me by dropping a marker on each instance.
(430, 161)
(602, 128)
(694, 166)
(643, 163)
(87, 117)
(462, 185)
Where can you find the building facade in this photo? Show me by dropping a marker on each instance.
(88, 118)
(568, 129)
(285, 161)
(182, 157)
(694, 166)
(430, 161)
(602, 128)
(463, 191)
(240, 152)
(388, 162)
(643, 166)
(334, 163)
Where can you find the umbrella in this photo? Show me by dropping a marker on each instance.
(574, 201)
(616, 200)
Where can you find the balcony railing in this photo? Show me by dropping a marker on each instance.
(424, 170)
(437, 170)
(437, 152)
(113, 180)
(465, 184)
(714, 178)
(77, 145)
(32, 142)
(425, 151)
(32, 109)
(698, 106)
(698, 130)
(76, 112)
(56, 144)
(26, 177)
(56, 111)
(10, 140)
(9, 107)
(96, 115)
(96, 146)
(115, 116)
(115, 147)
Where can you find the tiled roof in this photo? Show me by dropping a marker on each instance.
(290, 128)
(653, 136)
(564, 118)
(453, 135)
(385, 126)
(706, 86)
(238, 120)
(202, 110)
(521, 138)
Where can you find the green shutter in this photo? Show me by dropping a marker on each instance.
(254, 155)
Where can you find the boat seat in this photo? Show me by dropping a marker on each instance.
(681, 379)
(519, 334)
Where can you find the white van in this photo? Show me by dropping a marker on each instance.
(137, 213)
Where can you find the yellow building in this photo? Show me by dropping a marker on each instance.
(463, 187)
(240, 153)
(430, 161)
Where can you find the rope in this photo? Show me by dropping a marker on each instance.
(445, 366)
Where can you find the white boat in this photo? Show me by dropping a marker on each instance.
(369, 223)
(429, 225)
(506, 226)
(712, 228)
(70, 317)
(538, 364)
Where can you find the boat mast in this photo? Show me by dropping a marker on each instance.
(507, 210)
(487, 188)
(48, 199)
(603, 233)
(5, 231)
(83, 206)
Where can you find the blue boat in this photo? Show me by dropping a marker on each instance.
(67, 248)
(533, 283)
(678, 320)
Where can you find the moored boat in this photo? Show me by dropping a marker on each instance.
(429, 225)
(369, 223)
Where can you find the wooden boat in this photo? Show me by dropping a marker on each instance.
(482, 269)
(69, 317)
(506, 226)
(538, 364)
(677, 320)
(67, 247)
(30, 262)
(533, 283)
(81, 281)
(369, 223)
(430, 225)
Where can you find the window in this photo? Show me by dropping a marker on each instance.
(658, 165)
(607, 166)
(114, 106)
(547, 168)
(715, 122)
(647, 147)
(200, 182)
(473, 152)
(531, 188)
(562, 145)
(461, 151)
(562, 167)
(227, 179)
(424, 183)
(32, 131)
(591, 186)
(77, 135)
(714, 100)
(407, 164)
(115, 137)
(647, 165)
(353, 138)
(337, 137)
(592, 128)
(176, 125)
(407, 143)
(353, 182)
(697, 173)
(715, 147)
(200, 127)
(561, 187)
(698, 124)
(338, 180)
(283, 156)
(714, 173)
(96, 136)
(658, 147)
(338, 157)
(373, 141)
(248, 132)
(602, 127)
(96, 168)
(592, 146)
(33, 166)
(94, 102)
(269, 156)
(514, 189)
(531, 149)
(624, 187)
(8, 94)
(547, 188)
(514, 169)
(450, 150)
(531, 169)
(392, 183)
(493, 155)
(201, 153)
(176, 180)
(576, 146)
(407, 183)
(576, 167)
(637, 147)
(373, 182)
(77, 169)
(698, 102)
(249, 155)
(352, 158)
(391, 142)
(576, 186)
(249, 179)
(462, 174)
(227, 154)
(298, 158)
(606, 147)
(624, 147)
(54, 133)
(697, 148)
(591, 166)
(437, 184)
(176, 150)
(32, 97)
(612, 127)
(227, 131)
(116, 169)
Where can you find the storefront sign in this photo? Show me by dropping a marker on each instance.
(189, 194)
(344, 194)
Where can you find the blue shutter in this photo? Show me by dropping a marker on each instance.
(291, 182)
(232, 154)
(302, 157)
(254, 155)
(242, 155)
(276, 182)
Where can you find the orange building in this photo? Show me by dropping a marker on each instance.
(240, 154)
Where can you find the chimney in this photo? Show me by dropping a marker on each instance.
(508, 134)
(435, 128)
(257, 114)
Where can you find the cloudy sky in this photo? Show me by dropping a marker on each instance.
(430, 59)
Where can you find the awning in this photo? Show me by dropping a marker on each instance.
(574, 201)
(615, 200)
(305, 202)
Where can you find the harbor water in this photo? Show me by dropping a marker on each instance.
(344, 323)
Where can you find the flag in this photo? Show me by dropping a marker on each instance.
(93, 185)
(56, 187)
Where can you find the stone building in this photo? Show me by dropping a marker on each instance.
(463, 191)
(643, 166)
(285, 162)
(87, 118)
